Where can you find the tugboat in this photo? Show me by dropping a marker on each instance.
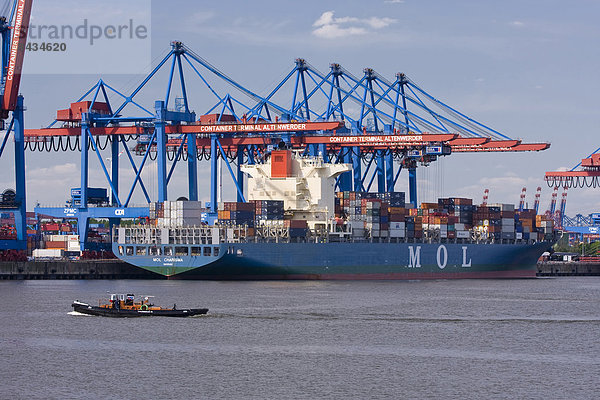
(126, 306)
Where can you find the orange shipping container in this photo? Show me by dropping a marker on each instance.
(56, 245)
(281, 163)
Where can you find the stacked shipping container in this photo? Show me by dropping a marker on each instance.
(386, 216)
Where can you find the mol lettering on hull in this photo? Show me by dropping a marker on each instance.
(414, 257)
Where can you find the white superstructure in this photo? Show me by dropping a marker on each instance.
(306, 185)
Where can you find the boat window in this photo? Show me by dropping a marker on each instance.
(181, 251)
(168, 251)
(196, 251)
(129, 250)
(141, 250)
(207, 251)
(120, 250)
(240, 252)
(215, 251)
(154, 251)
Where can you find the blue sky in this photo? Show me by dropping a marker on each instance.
(526, 68)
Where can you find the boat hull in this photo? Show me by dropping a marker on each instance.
(350, 261)
(121, 313)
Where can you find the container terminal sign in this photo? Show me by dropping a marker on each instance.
(227, 128)
(386, 140)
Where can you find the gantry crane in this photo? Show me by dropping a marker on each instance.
(522, 199)
(536, 201)
(486, 195)
(13, 30)
(397, 126)
(587, 176)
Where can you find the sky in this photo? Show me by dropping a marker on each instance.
(525, 68)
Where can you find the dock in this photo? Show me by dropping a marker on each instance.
(88, 269)
(568, 268)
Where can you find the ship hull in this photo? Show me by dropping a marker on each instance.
(126, 313)
(349, 261)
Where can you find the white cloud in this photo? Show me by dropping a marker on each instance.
(334, 31)
(378, 23)
(517, 23)
(393, 1)
(329, 27)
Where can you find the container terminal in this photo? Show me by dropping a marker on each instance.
(400, 127)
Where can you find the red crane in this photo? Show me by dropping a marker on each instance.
(522, 200)
(13, 68)
(486, 194)
(550, 211)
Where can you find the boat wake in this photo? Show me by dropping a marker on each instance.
(78, 314)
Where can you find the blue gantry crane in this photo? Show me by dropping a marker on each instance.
(379, 126)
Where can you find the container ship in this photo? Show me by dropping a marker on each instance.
(295, 226)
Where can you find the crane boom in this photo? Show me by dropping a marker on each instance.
(17, 52)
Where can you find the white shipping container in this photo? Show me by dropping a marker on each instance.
(397, 233)
(462, 234)
(519, 235)
(58, 238)
(397, 225)
(459, 227)
(48, 253)
(74, 247)
(443, 234)
(215, 235)
(508, 221)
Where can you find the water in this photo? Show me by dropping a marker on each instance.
(493, 339)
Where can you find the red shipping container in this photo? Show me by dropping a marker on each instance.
(281, 163)
(213, 118)
(56, 245)
(295, 223)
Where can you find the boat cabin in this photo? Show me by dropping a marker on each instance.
(127, 301)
